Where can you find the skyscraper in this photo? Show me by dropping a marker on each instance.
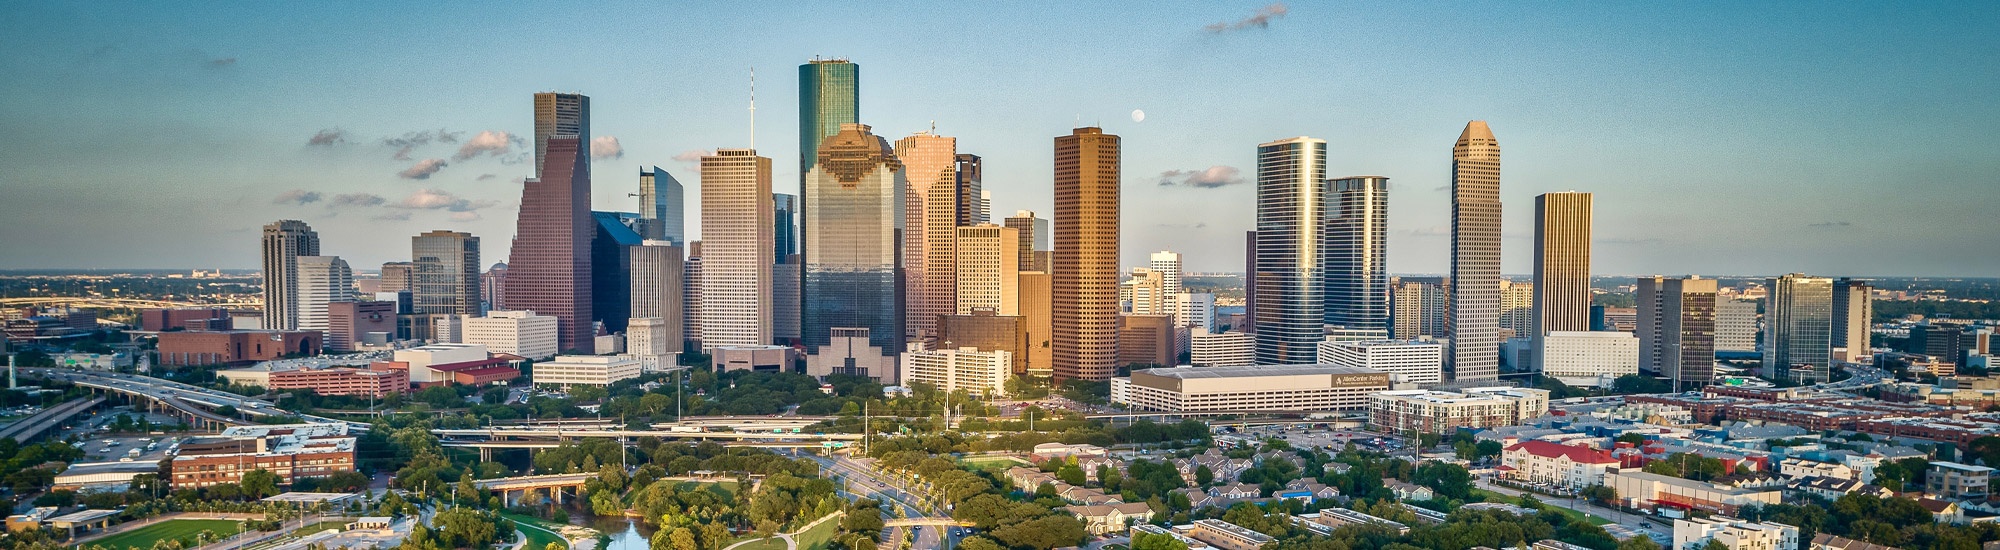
(1084, 284)
(1419, 304)
(691, 297)
(988, 271)
(284, 242)
(1853, 313)
(322, 280)
(1798, 328)
(931, 216)
(493, 288)
(548, 270)
(1168, 265)
(1676, 329)
(561, 115)
(1037, 323)
(656, 289)
(853, 231)
(663, 206)
(610, 269)
(785, 226)
(736, 248)
(446, 273)
(1562, 267)
(1517, 309)
(1034, 237)
(1249, 283)
(1473, 321)
(975, 204)
(1144, 293)
(1357, 253)
(829, 96)
(786, 270)
(398, 277)
(1291, 218)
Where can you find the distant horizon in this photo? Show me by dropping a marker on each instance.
(377, 272)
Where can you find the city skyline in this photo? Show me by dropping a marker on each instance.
(1772, 175)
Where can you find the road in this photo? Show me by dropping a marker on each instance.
(863, 479)
(175, 394)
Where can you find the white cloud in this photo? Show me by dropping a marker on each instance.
(489, 141)
(606, 147)
(1260, 19)
(1207, 178)
(328, 138)
(358, 199)
(423, 169)
(434, 199)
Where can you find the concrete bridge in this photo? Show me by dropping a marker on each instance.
(554, 483)
(34, 426)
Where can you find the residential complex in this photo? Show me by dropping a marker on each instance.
(1437, 412)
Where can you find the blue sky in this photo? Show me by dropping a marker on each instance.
(1719, 138)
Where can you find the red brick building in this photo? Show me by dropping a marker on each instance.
(291, 451)
(179, 349)
(343, 381)
(184, 318)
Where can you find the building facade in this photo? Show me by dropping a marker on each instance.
(853, 226)
(1357, 253)
(656, 271)
(1565, 467)
(1735, 325)
(522, 333)
(561, 115)
(322, 281)
(1226, 349)
(1586, 358)
(1437, 412)
(284, 242)
(1473, 320)
(663, 204)
(1676, 328)
(549, 268)
(1853, 314)
(987, 270)
(1418, 306)
(1410, 364)
(977, 372)
(1084, 283)
(1798, 328)
(1315, 388)
(585, 370)
(1562, 266)
(1291, 261)
(445, 273)
(736, 244)
(933, 209)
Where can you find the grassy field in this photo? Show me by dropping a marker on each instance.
(773, 543)
(818, 537)
(1551, 503)
(538, 537)
(183, 530)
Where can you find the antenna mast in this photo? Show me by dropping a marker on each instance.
(753, 108)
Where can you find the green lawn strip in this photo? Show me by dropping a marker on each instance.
(183, 530)
(1491, 496)
(321, 526)
(539, 535)
(819, 536)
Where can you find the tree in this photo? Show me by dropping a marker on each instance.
(1638, 543)
(1448, 480)
(1204, 475)
(1149, 541)
(1714, 545)
(1489, 448)
(1070, 474)
(260, 483)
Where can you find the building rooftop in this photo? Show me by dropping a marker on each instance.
(1235, 530)
(1188, 373)
(1576, 454)
(1967, 468)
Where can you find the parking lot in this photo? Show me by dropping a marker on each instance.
(93, 434)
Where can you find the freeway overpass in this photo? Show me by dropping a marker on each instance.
(193, 403)
(545, 437)
(34, 426)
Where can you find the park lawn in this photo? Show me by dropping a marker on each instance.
(183, 530)
(773, 543)
(321, 526)
(1490, 496)
(539, 537)
(819, 536)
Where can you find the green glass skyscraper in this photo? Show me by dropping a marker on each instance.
(829, 96)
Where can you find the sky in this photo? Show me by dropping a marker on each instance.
(1719, 138)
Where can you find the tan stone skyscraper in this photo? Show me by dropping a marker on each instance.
(988, 271)
(930, 222)
(1084, 285)
(737, 236)
(1473, 321)
(1562, 265)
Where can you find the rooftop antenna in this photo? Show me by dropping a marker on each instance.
(753, 108)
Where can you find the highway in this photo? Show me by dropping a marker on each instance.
(863, 479)
(192, 401)
(28, 428)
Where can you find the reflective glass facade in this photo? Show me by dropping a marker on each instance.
(853, 236)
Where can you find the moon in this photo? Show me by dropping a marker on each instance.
(1138, 115)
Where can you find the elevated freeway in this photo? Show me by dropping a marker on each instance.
(196, 404)
(34, 426)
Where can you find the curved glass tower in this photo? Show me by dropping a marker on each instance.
(1291, 213)
(1357, 253)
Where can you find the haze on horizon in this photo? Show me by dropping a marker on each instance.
(1718, 138)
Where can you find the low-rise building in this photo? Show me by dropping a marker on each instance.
(341, 381)
(976, 372)
(585, 370)
(1589, 358)
(1314, 388)
(1956, 481)
(753, 358)
(1640, 489)
(1227, 349)
(1565, 467)
(520, 333)
(1734, 534)
(235, 347)
(291, 451)
(1410, 364)
(1228, 536)
(1434, 412)
(1825, 541)
(1338, 517)
(1104, 519)
(102, 476)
